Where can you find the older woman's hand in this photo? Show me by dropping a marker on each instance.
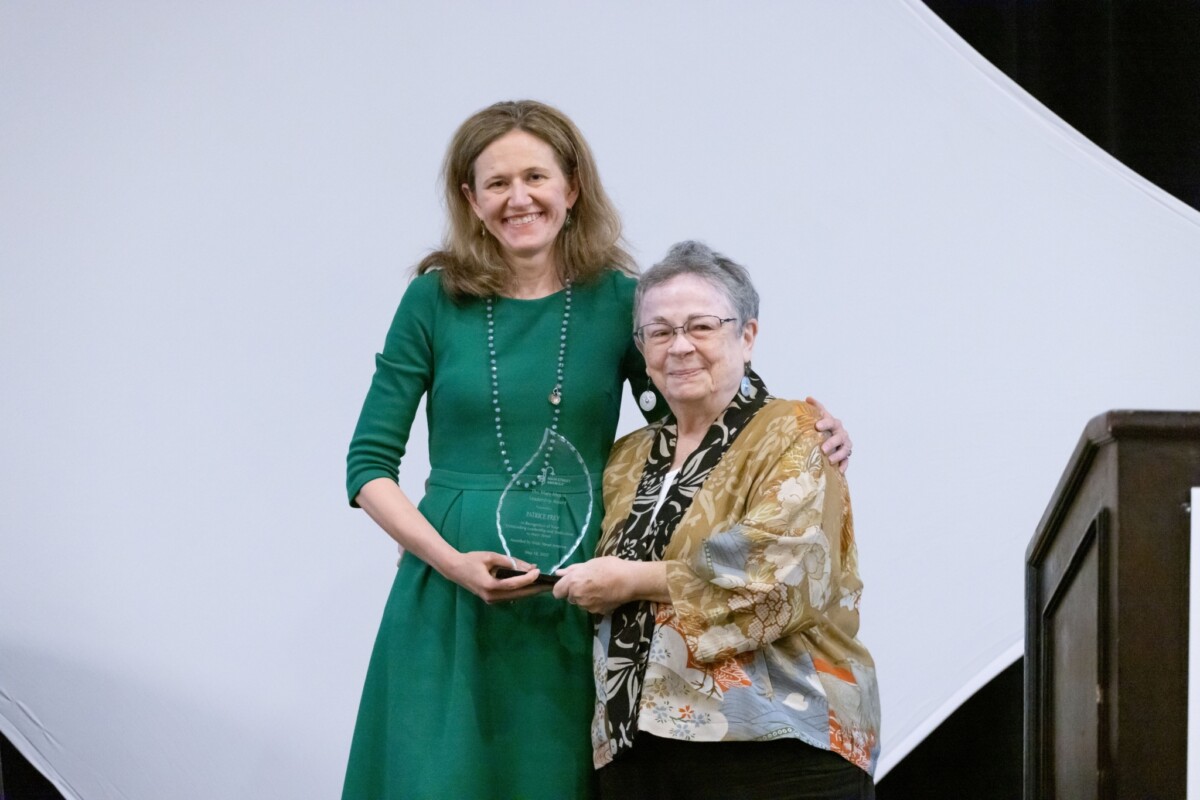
(603, 584)
(837, 445)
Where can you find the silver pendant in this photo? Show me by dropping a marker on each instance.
(647, 400)
(555, 396)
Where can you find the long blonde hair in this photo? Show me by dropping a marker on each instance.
(474, 265)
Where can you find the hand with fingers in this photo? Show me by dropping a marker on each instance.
(606, 582)
(837, 444)
(475, 572)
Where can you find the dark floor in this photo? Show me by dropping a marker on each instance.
(19, 780)
(976, 753)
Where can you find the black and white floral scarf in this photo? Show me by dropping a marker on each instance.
(644, 537)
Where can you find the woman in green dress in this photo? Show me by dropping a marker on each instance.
(480, 686)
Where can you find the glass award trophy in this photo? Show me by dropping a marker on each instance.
(545, 509)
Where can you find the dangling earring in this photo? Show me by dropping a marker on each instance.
(567, 223)
(648, 400)
(746, 386)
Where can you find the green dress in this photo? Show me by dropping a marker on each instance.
(463, 699)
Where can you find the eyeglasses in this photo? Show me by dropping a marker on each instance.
(698, 329)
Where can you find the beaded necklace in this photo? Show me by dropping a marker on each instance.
(555, 397)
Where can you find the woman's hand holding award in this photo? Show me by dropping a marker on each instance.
(545, 509)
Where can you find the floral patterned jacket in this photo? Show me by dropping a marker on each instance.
(759, 640)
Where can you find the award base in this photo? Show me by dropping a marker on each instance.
(505, 572)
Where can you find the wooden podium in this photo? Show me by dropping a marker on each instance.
(1106, 615)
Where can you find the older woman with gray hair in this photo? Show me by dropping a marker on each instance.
(725, 582)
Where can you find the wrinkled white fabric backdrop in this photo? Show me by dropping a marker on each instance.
(207, 214)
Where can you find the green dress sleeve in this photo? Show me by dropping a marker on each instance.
(403, 374)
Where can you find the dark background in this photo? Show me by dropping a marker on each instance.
(1127, 76)
(1124, 74)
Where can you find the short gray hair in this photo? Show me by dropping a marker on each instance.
(696, 258)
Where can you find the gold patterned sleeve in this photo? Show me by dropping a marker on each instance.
(783, 565)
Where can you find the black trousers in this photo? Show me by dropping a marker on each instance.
(783, 769)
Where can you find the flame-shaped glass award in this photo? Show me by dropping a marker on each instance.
(545, 509)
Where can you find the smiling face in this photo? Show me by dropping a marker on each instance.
(521, 195)
(697, 379)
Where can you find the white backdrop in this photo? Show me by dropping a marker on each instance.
(207, 216)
